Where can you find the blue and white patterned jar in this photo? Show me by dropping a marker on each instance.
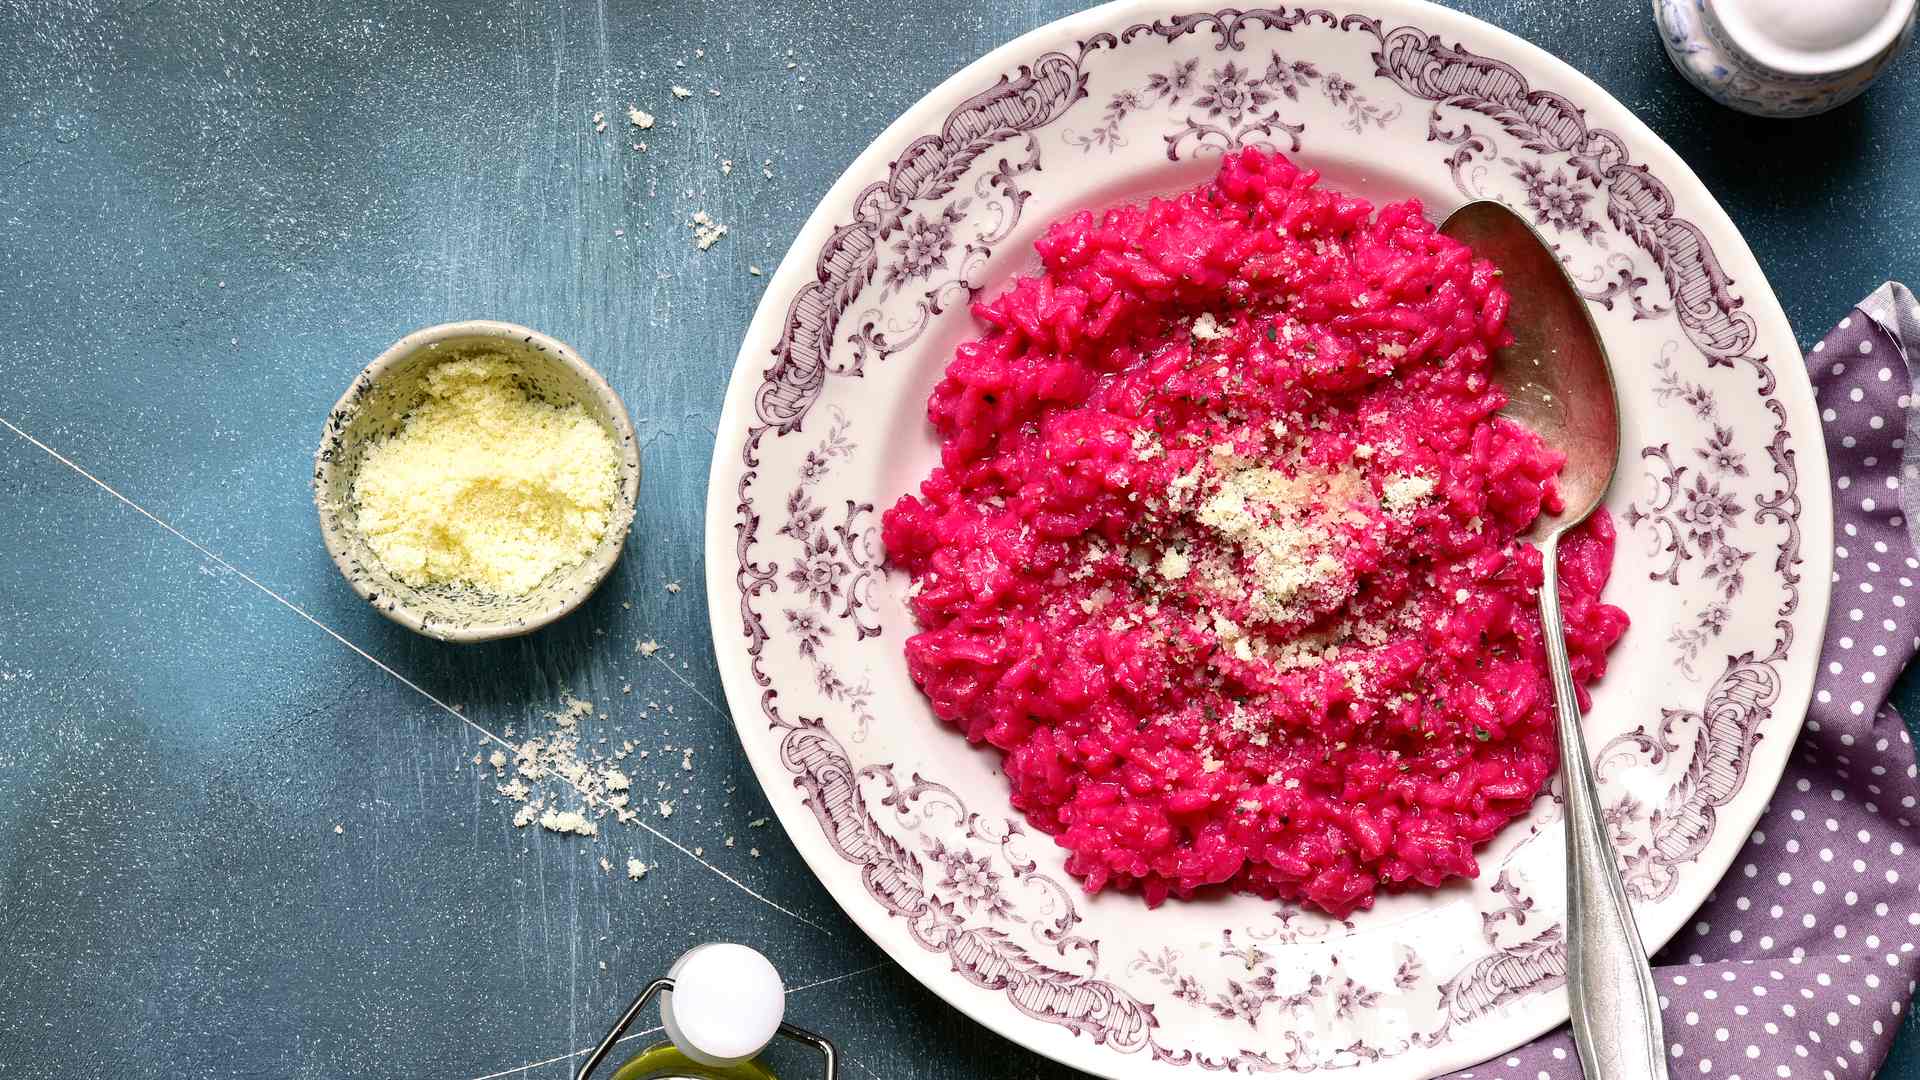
(1783, 57)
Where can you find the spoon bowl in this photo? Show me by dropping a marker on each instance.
(1556, 374)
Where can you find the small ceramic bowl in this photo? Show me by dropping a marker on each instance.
(374, 407)
(1783, 58)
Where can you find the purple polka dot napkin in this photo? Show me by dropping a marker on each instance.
(1803, 961)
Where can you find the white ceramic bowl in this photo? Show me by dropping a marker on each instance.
(375, 405)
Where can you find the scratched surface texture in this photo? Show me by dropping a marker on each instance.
(237, 837)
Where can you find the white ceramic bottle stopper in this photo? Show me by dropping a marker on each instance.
(725, 1006)
(721, 1004)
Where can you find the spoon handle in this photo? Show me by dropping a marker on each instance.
(1615, 1012)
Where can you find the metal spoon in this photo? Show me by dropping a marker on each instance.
(1558, 383)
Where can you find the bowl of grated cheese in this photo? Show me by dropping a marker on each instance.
(476, 481)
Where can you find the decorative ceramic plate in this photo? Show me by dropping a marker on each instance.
(1723, 564)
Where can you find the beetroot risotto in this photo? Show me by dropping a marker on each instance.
(1222, 556)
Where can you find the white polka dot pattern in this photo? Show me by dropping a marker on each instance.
(1802, 962)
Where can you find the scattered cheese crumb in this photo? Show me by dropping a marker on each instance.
(666, 809)
(1174, 564)
(1207, 328)
(636, 869)
(576, 710)
(1146, 445)
(568, 821)
(706, 231)
(339, 830)
(682, 92)
(648, 648)
(639, 117)
(673, 586)
(1404, 491)
(754, 270)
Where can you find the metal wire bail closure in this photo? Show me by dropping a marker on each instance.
(730, 1005)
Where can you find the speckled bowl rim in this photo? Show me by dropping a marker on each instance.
(599, 564)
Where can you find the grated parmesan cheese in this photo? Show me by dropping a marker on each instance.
(706, 231)
(1404, 491)
(568, 821)
(1207, 328)
(485, 486)
(1263, 513)
(1174, 564)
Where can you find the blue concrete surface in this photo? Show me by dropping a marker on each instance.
(230, 845)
